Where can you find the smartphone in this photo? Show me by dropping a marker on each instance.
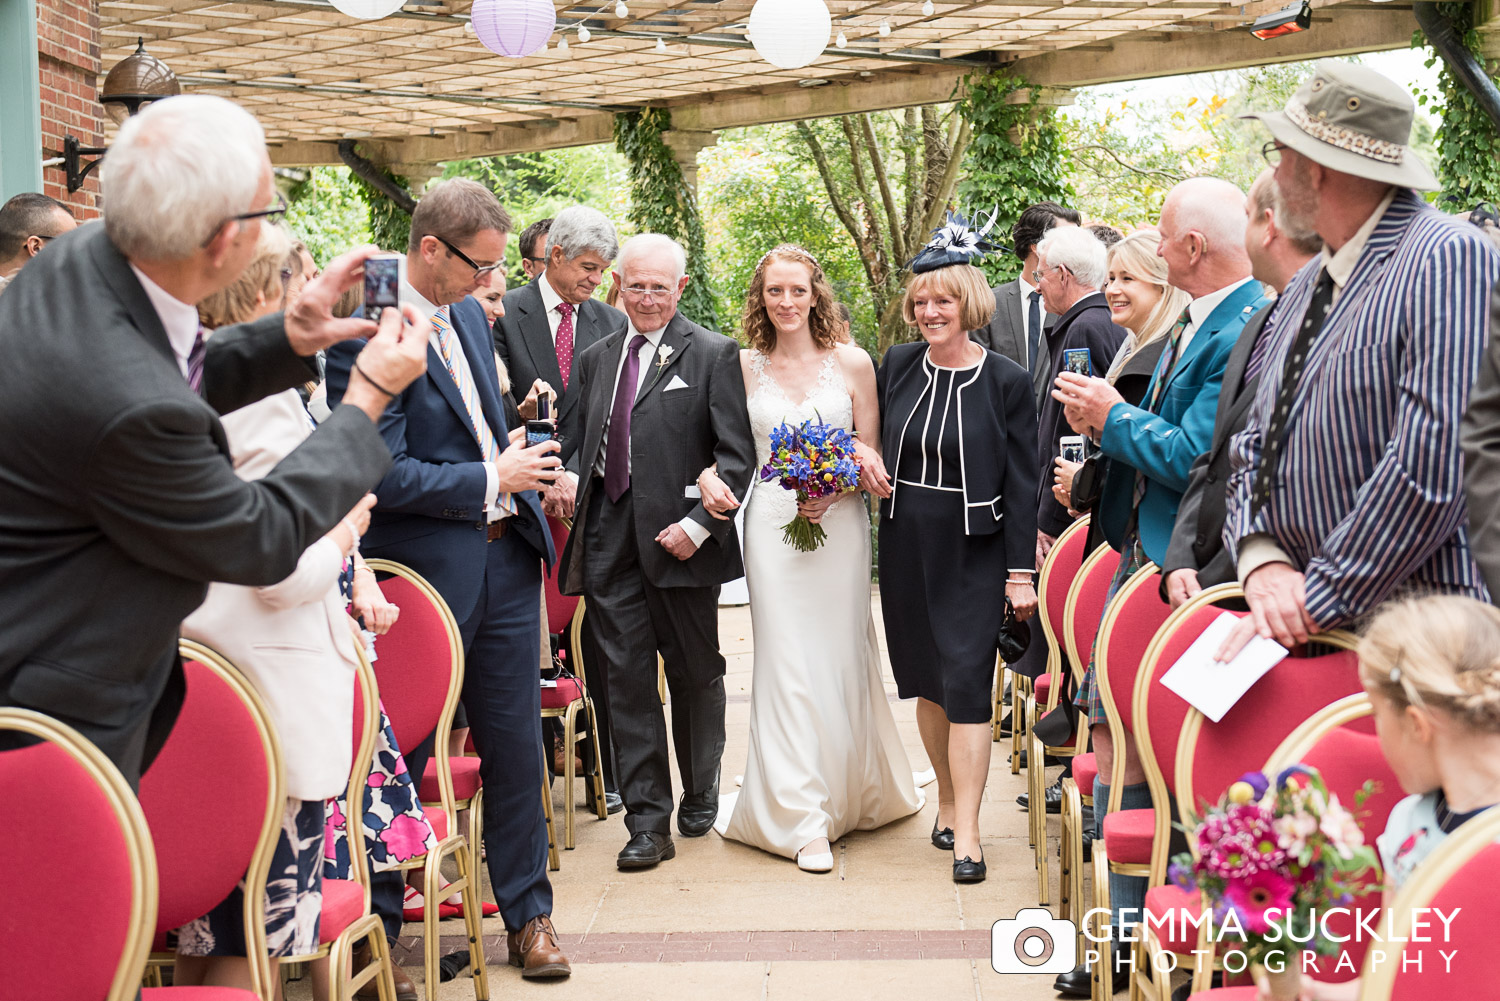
(384, 274)
(541, 428)
(1077, 360)
(1072, 447)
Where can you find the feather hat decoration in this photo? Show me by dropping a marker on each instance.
(956, 242)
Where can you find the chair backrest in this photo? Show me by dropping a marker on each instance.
(560, 607)
(419, 667)
(1458, 879)
(1130, 624)
(366, 724)
(214, 800)
(1340, 743)
(1058, 570)
(76, 835)
(1085, 605)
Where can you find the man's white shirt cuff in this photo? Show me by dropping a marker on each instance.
(694, 531)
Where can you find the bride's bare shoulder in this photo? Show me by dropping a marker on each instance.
(853, 359)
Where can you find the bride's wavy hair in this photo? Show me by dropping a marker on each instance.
(827, 326)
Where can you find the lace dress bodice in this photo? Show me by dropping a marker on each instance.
(769, 406)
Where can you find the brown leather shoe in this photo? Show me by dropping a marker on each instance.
(405, 989)
(535, 950)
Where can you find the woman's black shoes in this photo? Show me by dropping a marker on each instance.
(966, 870)
(942, 838)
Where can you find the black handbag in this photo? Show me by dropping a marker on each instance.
(1015, 636)
(1088, 482)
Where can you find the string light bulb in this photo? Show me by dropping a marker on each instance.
(927, 8)
(562, 45)
(583, 34)
(661, 45)
(841, 41)
(620, 9)
(885, 29)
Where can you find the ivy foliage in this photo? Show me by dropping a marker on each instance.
(389, 223)
(327, 212)
(662, 202)
(1016, 157)
(1466, 138)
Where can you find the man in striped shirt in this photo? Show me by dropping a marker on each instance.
(1346, 483)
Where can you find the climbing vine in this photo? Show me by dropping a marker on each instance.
(661, 202)
(1466, 140)
(1015, 158)
(390, 225)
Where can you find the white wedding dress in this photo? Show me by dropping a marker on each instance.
(825, 757)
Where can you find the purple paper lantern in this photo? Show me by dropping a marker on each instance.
(514, 28)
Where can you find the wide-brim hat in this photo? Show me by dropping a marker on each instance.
(1351, 119)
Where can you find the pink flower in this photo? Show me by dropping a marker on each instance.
(1293, 830)
(1252, 896)
(1340, 828)
(406, 837)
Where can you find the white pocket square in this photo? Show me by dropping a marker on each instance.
(676, 383)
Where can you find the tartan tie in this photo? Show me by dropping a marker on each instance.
(447, 347)
(1153, 402)
(195, 361)
(565, 341)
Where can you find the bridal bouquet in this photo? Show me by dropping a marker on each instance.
(1273, 858)
(816, 460)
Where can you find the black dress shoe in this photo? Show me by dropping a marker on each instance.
(942, 838)
(613, 804)
(1088, 843)
(1075, 983)
(1052, 796)
(1047, 759)
(696, 814)
(645, 850)
(966, 870)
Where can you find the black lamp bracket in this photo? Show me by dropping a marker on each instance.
(73, 163)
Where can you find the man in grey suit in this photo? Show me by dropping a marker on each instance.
(660, 401)
(1016, 330)
(1196, 557)
(549, 322)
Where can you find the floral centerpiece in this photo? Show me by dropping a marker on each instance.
(816, 460)
(1271, 859)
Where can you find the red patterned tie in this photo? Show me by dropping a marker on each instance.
(565, 341)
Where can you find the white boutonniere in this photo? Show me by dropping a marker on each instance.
(663, 354)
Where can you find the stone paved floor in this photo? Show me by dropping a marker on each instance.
(724, 921)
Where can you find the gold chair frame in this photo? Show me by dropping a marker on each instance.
(455, 845)
(132, 825)
(1019, 729)
(571, 736)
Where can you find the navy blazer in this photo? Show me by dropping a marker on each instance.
(430, 514)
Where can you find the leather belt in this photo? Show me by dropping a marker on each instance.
(497, 529)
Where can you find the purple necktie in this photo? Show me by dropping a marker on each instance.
(617, 455)
(195, 361)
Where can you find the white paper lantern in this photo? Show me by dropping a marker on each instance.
(367, 10)
(790, 33)
(514, 28)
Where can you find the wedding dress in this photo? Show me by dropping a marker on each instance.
(825, 757)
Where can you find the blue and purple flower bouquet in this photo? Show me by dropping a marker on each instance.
(816, 460)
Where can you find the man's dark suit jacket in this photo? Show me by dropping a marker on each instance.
(118, 503)
(430, 514)
(674, 435)
(1006, 334)
(1198, 536)
(1086, 324)
(523, 339)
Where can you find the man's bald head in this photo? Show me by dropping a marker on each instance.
(1203, 235)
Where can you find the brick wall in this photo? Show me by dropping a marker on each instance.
(68, 58)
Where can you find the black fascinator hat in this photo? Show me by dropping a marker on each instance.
(956, 242)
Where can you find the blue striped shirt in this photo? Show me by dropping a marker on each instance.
(1368, 495)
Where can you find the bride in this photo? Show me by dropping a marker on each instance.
(825, 757)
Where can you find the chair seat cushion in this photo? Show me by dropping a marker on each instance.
(1128, 835)
(343, 904)
(437, 820)
(1176, 934)
(1041, 688)
(1085, 770)
(567, 691)
(197, 994)
(465, 779)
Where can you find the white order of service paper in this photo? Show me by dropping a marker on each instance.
(1212, 687)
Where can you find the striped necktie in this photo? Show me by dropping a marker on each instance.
(195, 357)
(448, 347)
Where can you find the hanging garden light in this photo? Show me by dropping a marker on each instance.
(367, 10)
(790, 33)
(583, 34)
(885, 29)
(514, 28)
(621, 10)
(927, 8)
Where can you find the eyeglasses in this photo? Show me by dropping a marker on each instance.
(272, 215)
(481, 271)
(1272, 152)
(636, 292)
(1040, 273)
(534, 260)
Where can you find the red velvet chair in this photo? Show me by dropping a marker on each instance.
(1082, 612)
(420, 672)
(346, 918)
(74, 832)
(213, 799)
(1054, 581)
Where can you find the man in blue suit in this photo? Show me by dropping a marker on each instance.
(460, 506)
(1153, 446)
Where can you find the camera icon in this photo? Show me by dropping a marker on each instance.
(1033, 942)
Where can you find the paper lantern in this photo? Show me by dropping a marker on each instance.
(514, 28)
(367, 10)
(790, 33)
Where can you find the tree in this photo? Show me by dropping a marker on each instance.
(1466, 162)
(888, 179)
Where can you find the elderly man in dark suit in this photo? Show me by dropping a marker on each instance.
(118, 502)
(660, 401)
(1196, 557)
(1347, 483)
(1018, 328)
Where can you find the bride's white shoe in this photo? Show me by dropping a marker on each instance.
(815, 862)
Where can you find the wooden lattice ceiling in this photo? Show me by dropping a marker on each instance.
(421, 78)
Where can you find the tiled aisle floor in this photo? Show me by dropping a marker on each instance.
(724, 921)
